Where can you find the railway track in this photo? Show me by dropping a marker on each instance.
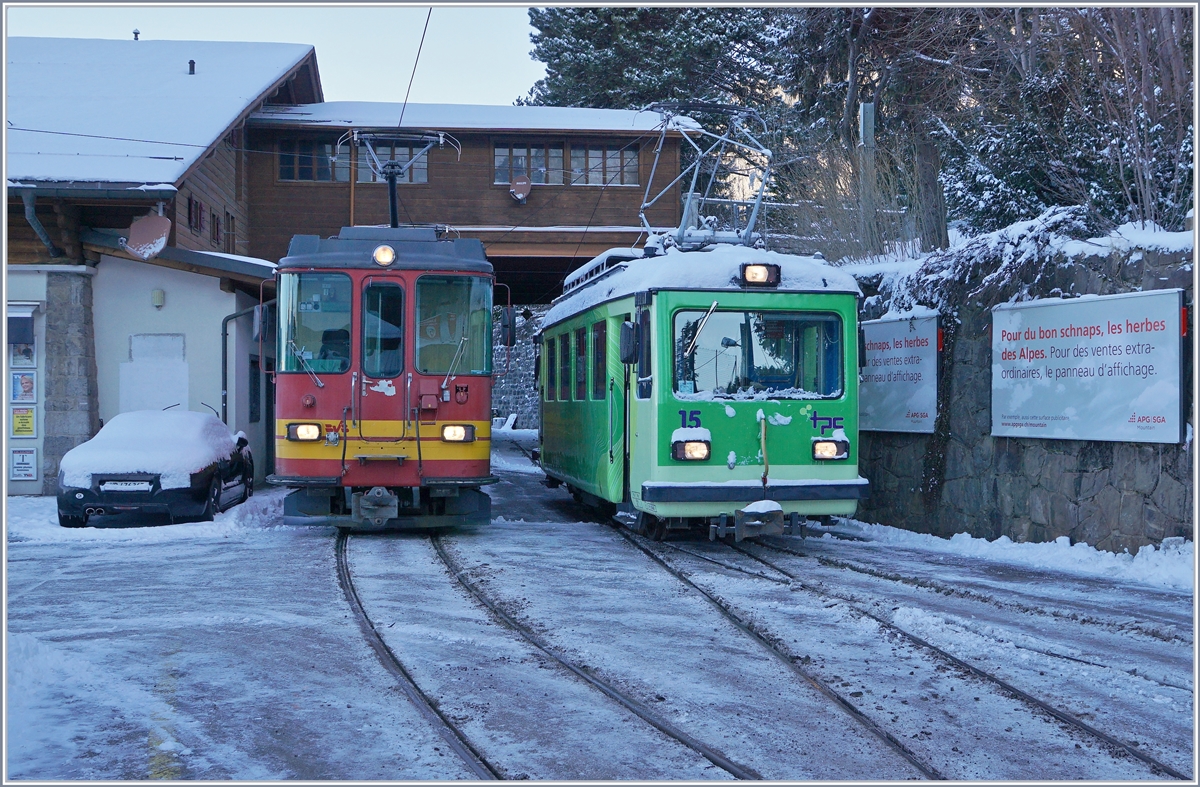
(710, 753)
(449, 731)
(1148, 629)
(943, 588)
(1012, 691)
(784, 657)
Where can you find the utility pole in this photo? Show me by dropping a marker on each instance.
(868, 228)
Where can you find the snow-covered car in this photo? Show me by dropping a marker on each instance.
(183, 464)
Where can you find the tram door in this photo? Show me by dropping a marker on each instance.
(380, 387)
(607, 366)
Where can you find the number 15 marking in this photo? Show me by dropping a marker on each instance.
(689, 418)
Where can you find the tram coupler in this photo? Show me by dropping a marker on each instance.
(375, 506)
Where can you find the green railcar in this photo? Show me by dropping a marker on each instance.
(714, 388)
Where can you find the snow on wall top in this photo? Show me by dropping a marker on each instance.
(716, 268)
(449, 117)
(131, 90)
(173, 443)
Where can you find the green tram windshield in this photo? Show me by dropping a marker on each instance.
(314, 317)
(743, 355)
(454, 325)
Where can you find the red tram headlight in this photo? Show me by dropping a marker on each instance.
(830, 449)
(304, 432)
(458, 433)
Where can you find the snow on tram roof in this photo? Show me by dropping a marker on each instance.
(714, 268)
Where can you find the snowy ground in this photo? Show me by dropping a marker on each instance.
(226, 650)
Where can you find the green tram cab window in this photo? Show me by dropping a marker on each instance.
(314, 316)
(383, 334)
(454, 325)
(791, 355)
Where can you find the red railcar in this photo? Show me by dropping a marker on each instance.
(383, 384)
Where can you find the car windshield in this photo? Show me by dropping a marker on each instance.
(454, 325)
(314, 315)
(747, 354)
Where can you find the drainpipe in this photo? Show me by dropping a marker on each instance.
(31, 216)
(225, 360)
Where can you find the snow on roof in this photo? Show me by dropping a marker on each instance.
(452, 117)
(172, 443)
(85, 99)
(716, 268)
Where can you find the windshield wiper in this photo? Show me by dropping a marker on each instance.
(458, 356)
(304, 363)
(696, 337)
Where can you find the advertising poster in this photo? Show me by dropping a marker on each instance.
(22, 356)
(22, 464)
(23, 387)
(22, 422)
(899, 378)
(1090, 368)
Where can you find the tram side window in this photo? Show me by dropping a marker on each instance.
(383, 316)
(581, 364)
(314, 314)
(564, 367)
(599, 365)
(551, 370)
(644, 383)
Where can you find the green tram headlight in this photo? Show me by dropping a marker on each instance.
(691, 450)
(760, 275)
(458, 433)
(304, 432)
(830, 449)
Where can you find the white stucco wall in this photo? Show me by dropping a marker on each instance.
(194, 306)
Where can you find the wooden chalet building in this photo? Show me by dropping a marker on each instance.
(589, 169)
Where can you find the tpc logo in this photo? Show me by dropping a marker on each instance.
(824, 422)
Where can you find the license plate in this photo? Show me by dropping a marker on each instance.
(125, 486)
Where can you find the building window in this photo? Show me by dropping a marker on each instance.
(195, 215)
(308, 159)
(541, 162)
(254, 390)
(417, 173)
(230, 233)
(214, 229)
(604, 165)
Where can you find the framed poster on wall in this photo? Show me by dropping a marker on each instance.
(22, 422)
(23, 386)
(898, 392)
(22, 464)
(22, 356)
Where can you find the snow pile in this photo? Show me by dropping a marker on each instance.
(1170, 565)
(715, 268)
(172, 443)
(35, 520)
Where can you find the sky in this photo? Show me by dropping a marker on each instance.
(471, 55)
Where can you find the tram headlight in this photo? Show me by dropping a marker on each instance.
(385, 255)
(756, 275)
(690, 450)
(830, 449)
(458, 433)
(304, 432)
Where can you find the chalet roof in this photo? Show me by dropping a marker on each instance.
(128, 111)
(460, 117)
(210, 263)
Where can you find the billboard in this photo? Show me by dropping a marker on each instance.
(1090, 368)
(898, 392)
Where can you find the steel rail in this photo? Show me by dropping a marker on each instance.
(784, 657)
(641, 711)
(942, 587)
(453, 736)
(1007, 687)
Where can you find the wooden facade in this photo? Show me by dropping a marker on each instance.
(533, 245)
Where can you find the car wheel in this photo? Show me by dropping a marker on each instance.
(72, 521)
(213, 505)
